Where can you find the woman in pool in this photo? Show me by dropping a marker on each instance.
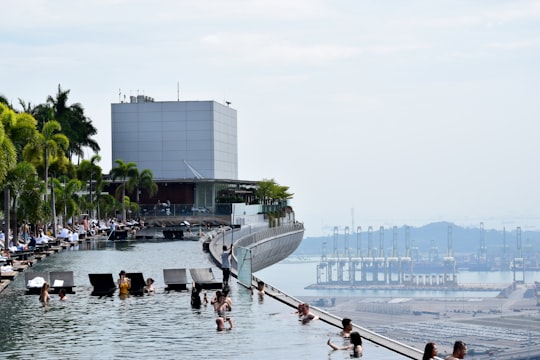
(355, 346)
(124, 284)
(44, 296)
(149, 287)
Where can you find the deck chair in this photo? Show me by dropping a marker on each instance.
(137, 283)
(175, 279)
(62, 280)
(103, 284)
(33, 284)
(205, 278)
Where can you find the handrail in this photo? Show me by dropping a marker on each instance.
(274, 292)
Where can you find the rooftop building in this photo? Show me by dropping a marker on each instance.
(176, 139)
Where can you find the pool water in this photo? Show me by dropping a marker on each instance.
(159, 326)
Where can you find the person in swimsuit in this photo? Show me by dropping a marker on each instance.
(347, 327)
(355, 346)
(44, 296)
(430, 351)
(223, 306)
(124, 284)
(460, 351)
(149, 287)
(307, 316)
(62, 295)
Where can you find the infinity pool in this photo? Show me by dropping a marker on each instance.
(160, 326)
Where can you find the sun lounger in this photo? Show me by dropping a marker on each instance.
(62, 280)
(175, 279)
(21, 254)
(103, 284)
(34, 280)
(205, 278)
(137, 283)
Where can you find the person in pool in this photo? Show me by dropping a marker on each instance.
(62, 295)
(149, 287)
(347, 327)
(44, 296)
(222, 309)
(124, 284)
(355, 346)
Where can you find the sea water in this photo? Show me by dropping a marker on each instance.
(294, 277)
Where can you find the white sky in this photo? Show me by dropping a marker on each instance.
(407, 112)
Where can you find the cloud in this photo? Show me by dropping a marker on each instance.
(268, 49)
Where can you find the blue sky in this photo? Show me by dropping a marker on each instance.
(374, 113)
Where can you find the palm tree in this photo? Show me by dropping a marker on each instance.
(123, 171)
(88, 170)
(8, 153)
(66, 191)
(8, 159)
(22, 180)
(49, 144)
(4, 100)
(143, 181)
(75, 124)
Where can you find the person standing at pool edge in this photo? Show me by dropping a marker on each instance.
(225, 264)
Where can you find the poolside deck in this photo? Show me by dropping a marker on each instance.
(24, 260)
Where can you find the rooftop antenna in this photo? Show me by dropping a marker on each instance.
(119, 95)
(178, 91)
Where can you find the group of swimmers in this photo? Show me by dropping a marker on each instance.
(305, 316)
(459, 352)
(44, 296)
(221, 302)
(124, 285)
(430, 352)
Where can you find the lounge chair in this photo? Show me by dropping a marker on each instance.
(137, 283)
(175, 279)
(103, 284)
(34, 282)
(205, 278)
(62, 280)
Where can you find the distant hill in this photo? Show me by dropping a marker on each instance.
(464, 240)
